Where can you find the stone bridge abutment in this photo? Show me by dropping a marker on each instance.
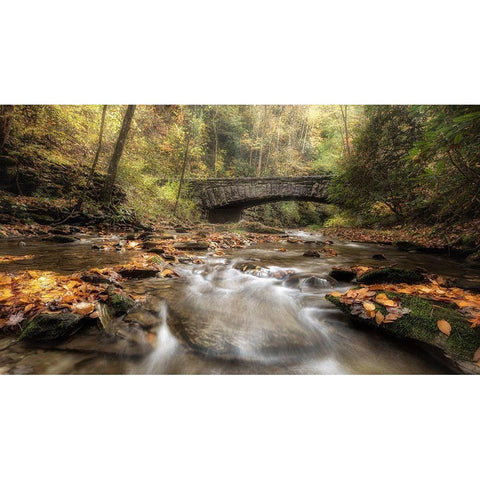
(223, 199)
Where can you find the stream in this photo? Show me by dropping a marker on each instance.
(222, 317)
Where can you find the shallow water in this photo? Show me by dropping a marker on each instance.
(217, 319)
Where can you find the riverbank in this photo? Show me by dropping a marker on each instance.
(461, 240)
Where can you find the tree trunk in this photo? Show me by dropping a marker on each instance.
(185, 160)
(214, 123)
(345, 126)
(78, 206)
(117, 155)
(5, 124)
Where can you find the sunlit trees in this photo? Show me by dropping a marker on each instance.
(378, 171)
(117, 155)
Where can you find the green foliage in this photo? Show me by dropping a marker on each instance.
(379, 170)
(223, 141)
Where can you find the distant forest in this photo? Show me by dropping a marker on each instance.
(390, 163)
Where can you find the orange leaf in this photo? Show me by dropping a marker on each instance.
(83, 308)
(28, 307)
(379, 318)
(391, 317)
(444, 327)
(369, 306)
(476, 355)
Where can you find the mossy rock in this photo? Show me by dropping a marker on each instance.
(120, 302)
(390, 275)
(420, 325)
(59, 239)
(48, 327)
(191, 245)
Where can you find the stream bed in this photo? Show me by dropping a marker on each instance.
(227, 317)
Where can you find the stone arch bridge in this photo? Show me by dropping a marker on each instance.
(223, 199)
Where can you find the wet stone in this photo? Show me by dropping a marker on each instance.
(312, 253)
(22, 370)
(138, 273)
(48, 327)
(299, 280)
(343, 274)
(144, 318)
(201, 245)
(59, 239)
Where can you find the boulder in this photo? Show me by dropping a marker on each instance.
(59, 239)
(390, 275)
(191, 245)
(120, 302)
(420, 325)
(48, 327)
(138, 272)
(342, 274)
(156, 250)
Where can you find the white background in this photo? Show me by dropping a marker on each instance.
(239, 52)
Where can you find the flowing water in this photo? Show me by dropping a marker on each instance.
(221, 317)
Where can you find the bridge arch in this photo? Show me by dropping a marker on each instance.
(223, 199)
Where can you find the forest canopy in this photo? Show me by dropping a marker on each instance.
(390, 163)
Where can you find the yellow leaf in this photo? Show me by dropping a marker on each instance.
(335, 294)
(444, 327)
(369, 306)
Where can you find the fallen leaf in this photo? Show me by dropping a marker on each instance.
(444, 327)
(369, 306)
(476, 355)
(83, 308)
(379, 318)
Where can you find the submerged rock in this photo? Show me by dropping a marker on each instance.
(144, 318)
(127, 341)
(312, 253)
(299, 280)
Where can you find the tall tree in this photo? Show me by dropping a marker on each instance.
(6, 112)
(78, 206)
(344, 110)
(117, 155)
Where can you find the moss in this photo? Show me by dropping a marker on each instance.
(390, 275)
(52, 326)
(421, 324)
(120, 302)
